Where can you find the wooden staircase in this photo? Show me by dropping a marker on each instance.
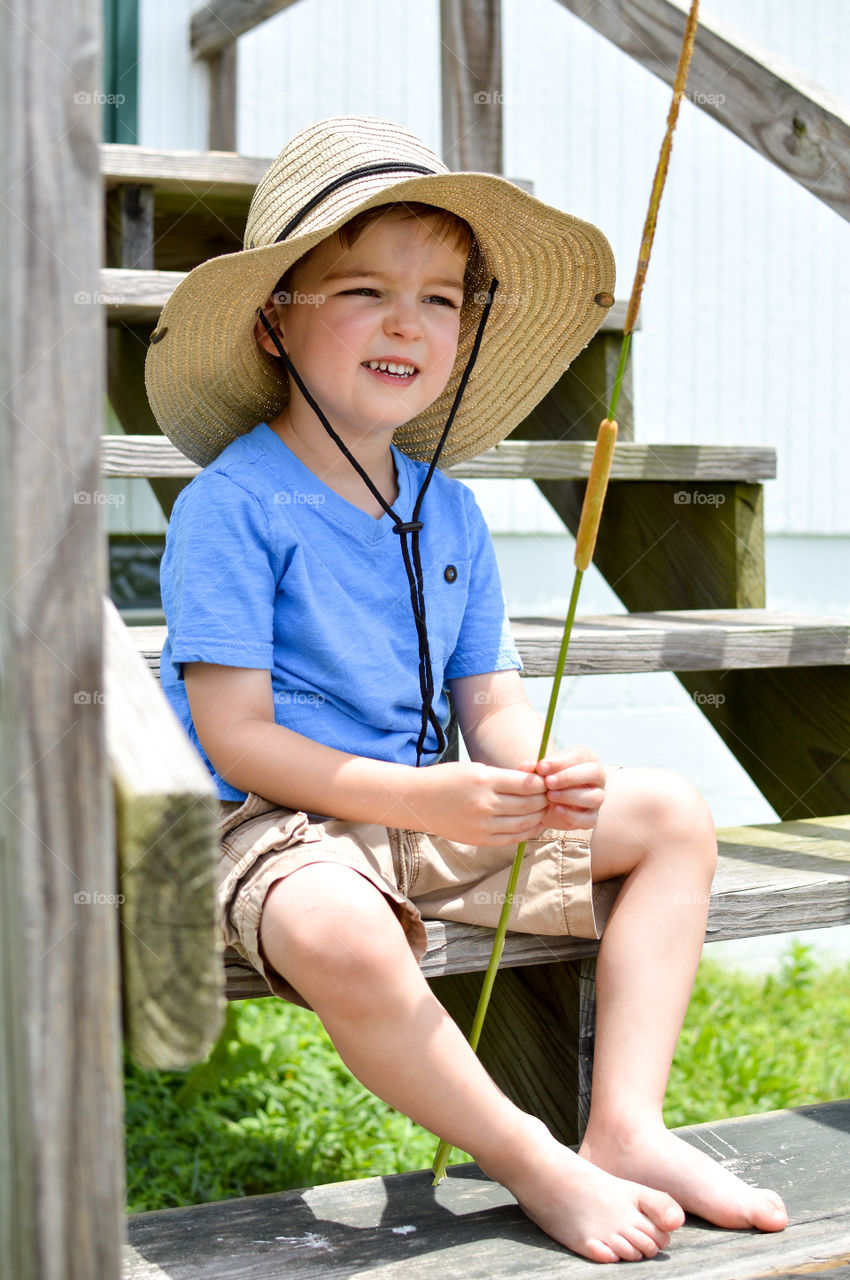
(690, 573)
(682, 543)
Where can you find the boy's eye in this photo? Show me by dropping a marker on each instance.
(368, 290)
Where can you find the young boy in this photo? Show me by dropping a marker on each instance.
(322, 588)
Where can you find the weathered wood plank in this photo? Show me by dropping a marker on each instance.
(140, 455)
(470, 1228)
(130, 244)
(197, 174)
(660, 553)
(579, 400)
(212, 176)
(471, 84)
(166, 811)
(126, 348)
(789, 727)
(537, 1042)
(771, 878)
(221, 118)
(685, 640)
(218, 24)
(61, 1167)
(129, 227)
(134, 297)
(795, 124)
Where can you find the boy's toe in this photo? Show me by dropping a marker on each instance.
(770, 1214)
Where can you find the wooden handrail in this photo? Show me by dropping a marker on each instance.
(795, 124)
(217, 25)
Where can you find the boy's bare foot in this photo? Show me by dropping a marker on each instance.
(601, 1217)
(656, 1157)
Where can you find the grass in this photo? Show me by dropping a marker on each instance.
(273, 1107)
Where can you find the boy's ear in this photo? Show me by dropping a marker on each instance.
(261, 333)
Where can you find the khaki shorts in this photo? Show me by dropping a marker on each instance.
(420, 875)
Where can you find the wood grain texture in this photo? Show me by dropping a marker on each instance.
(218, 24)
(129, 227)
(61, 1136)
(167, 833)
(197, 174)
(537, 1041)
(771, 878)
(471, 84)
(470, 1228)
(211, 176)
(221, 118)
(579, 400)
(795, 124)
(683, 640)
(126, 349)
(138, 454)
(789, 727)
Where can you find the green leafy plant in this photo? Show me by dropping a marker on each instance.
(273, 1107)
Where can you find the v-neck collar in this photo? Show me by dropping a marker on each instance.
(333, 506)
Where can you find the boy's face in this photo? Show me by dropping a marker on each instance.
(393, 297)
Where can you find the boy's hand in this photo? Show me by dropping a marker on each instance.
(480, 804)
(575, 787)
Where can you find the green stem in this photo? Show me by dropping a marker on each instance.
(618, 380)
(444, 1149)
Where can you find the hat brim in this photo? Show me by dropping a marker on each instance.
(209, 381)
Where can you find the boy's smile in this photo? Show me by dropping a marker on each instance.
(372, 330)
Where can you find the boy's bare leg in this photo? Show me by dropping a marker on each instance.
(657, 829)
(337, 940)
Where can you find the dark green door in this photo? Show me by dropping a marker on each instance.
(120, 70)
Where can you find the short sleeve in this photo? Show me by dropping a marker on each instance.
(219, 575)
(485, 642)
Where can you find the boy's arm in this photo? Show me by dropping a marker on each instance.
(233, 714)
(500, 727)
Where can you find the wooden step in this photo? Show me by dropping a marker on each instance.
(194, 175)
(776, 877)
(128, 457)
(470, 1228)
(137, 297)
(684, 640)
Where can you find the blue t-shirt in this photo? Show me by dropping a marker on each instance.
(267, 567)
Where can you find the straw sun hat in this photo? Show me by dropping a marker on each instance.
(208, 379)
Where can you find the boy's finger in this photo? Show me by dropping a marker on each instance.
(591, 798)
(577, 775)
(568, 758)
(515, 782)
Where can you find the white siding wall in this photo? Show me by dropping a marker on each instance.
(745, 317)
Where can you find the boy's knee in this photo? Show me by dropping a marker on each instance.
(681, 813)
(331, 925)
(665, 805)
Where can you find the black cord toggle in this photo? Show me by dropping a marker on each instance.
(412, 526)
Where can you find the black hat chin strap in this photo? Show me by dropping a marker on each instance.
(410, 529)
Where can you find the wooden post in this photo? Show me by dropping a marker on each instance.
(471, 70)
(61, 1159)
(222, 108)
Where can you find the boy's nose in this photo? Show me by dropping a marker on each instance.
(403, 317)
